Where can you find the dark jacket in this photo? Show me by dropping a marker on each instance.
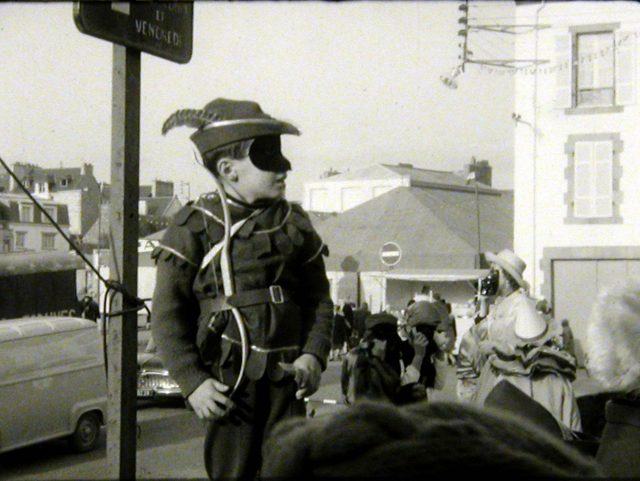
(276, 246)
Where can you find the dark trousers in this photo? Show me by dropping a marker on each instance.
(233, 446)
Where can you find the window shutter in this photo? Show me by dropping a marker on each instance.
(582, 175)
(564, 72)
(603, 179)
(626, 69)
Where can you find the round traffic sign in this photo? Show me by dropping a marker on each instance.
(390, 254)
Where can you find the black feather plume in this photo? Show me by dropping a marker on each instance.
(189, 118)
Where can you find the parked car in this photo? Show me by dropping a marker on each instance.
(53, 382)
(154, 381)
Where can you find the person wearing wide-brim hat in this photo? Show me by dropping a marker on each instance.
(516, 343)
(241, 309)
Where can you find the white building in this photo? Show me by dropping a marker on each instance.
(347, 190)
(26, 228)
(577, 145)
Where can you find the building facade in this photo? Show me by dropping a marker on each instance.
(26, 228)
(75, 186)
(577, 145)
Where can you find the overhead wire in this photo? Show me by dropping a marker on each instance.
(112, 286)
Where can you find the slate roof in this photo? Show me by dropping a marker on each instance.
(435, 228)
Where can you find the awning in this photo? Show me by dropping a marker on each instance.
(436, 275)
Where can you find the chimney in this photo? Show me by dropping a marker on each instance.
(87, 169)
(20, 171)
(482, 170)
(405, 165)
(161, 188)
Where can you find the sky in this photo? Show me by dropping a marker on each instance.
(361, 80)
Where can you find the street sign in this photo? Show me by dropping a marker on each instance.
(390, 254)
(164, 29)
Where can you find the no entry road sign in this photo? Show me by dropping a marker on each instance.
(390, 254)
(164, 29)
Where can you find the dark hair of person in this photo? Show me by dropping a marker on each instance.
(236, 151)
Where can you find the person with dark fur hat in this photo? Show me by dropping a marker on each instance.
(241, 309)
(429, 321)
(434, 440)
(373, 370)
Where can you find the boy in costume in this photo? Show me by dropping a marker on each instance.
(241, 309)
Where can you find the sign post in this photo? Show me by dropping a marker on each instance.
(123, 330)
(166, 30)
(163, 29)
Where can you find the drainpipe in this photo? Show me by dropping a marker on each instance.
(535, 153)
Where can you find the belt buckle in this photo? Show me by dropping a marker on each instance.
(277, 296)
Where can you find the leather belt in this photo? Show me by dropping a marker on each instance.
(274, 294)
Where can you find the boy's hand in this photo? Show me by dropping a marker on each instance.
(307, 371)
(209, 401)
(419, 342)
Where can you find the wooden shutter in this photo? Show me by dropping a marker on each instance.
(626, 68)
(593, 179)
(564, 72)
(582, 175)
(602, 172)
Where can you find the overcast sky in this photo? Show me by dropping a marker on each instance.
(360, 80)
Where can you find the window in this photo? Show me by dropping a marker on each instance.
(595, 69)
(593, 173)
(593, 196)
(595, 76)
(320, 200)
(64, 182)
(41, 188)
(26, 213)
(51, 210)
(48, 241)
(21, 240)
(350, 197)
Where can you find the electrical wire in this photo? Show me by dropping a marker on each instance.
(112, 287)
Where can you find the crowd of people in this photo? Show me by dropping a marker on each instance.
(245, 324)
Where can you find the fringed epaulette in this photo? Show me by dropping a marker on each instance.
(186, 216)
(300, 218)
(172, 249)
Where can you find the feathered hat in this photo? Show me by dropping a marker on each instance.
(223, 121)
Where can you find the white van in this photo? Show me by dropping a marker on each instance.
(52, 382)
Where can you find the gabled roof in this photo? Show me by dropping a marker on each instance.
(74, 176)
(435, 229)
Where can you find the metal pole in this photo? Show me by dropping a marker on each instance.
(122, 332)
(475, 184)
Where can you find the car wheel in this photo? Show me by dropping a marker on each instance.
(87, 433)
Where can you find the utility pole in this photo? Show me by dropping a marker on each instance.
(467, 57)
(475, 185)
